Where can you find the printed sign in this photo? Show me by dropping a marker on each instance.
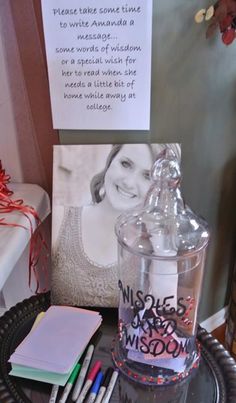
(99, 63)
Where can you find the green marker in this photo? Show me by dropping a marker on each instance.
(70, 383)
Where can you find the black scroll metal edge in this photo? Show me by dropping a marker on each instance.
(222, 364)
(9, 323)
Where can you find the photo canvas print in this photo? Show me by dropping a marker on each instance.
(92, 186)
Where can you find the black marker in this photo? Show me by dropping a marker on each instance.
(104, 385)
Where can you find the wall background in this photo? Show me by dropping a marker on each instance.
(27, 135)
(8, 137)
(193, 102)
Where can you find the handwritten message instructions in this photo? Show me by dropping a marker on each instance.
(99, 63)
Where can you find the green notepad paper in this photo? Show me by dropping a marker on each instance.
(39, 375)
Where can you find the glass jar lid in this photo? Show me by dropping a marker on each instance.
(164, 226)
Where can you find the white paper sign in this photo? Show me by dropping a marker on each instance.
(99, 63)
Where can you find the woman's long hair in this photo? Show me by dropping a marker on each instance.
(97, 181)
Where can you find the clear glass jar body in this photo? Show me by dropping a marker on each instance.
(158, 309)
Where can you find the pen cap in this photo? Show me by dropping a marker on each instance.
(90, 349)
(107, 376)
(94, 370)
(74, 373)
(97, 383)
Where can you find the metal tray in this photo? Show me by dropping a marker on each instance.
(213, 382)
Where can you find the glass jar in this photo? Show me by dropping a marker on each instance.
(161, 255)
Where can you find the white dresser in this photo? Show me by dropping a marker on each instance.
(14, 245)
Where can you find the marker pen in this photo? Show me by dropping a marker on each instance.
(110, 387)
(89, 381)
(105, 383)
(83, 372)
(70, 383)
(95, 388)
(54, 392)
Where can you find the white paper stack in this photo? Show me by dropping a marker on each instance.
(51, 350)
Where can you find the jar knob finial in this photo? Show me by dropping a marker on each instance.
(166, 169)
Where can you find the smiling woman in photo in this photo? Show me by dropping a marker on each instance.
(85, 256)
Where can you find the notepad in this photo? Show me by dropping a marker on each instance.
(39, 375)
(54, 346)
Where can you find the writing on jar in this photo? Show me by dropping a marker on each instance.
(140, 301)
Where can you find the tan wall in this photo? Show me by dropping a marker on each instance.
(27, 123)
(9, 152)
(194, 103)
